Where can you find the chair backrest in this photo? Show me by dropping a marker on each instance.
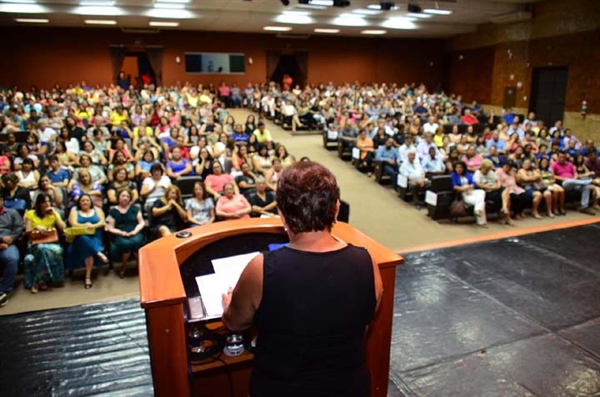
(186, 185)
(441, 183)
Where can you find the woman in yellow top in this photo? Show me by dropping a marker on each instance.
(438, 137)
(43, 263)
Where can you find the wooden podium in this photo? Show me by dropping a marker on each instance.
(168, 267)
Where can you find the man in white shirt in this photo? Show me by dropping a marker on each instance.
(424, 146)
(408, 146)
(417, 182)
(47, 135)
(431, 125)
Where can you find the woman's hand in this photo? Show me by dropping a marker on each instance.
(227, 299)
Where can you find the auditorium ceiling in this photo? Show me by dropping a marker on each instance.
(297, 19)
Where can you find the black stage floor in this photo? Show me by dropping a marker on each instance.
(513, 317)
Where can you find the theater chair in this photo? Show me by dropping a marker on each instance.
(380, 177)
(343, 152)
(186, 185)
(329, 139)
(439, 197)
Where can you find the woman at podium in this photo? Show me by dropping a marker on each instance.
(311, 301)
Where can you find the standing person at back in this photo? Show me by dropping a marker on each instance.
(309, 344)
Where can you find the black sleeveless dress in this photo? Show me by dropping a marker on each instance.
(311, 324)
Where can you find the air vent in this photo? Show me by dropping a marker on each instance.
(293, 36)
(140, 31)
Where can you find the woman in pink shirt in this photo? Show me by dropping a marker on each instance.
(507, 177)
(215, 182)
(233, 205)
(472, 159)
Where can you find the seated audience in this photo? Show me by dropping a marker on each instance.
(507, 176)
(28, 176)
(246, 182)
(178, 166)
(15, 197)
(531, 180)
(54, 193)
(125, 223)
(200, 208)
(167, 213)
(463, 183)
(11, 229)
(558, 193)
(417, 182)
(154, 186)
(274, 174)
(389, 158)
(485, 179)
(43, 265)
(232, 205)
(567, 177)
(262, 200)
(215, 182)
(86, 249)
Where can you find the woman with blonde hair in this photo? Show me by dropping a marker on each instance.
(167, 213)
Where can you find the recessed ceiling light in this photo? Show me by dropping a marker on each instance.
(295, 19)
(98, 10)
(97, 3)
(169, 6)
(175, 1)
(363, 11)
(100, 22)
(326, 3)
(418, 15)
(319, 30)
(23, 8)
(164, 24)
(31, 20)
(277, 28)
(373, 32)
(170, 13)
(349, 20)
(378, 7)
(311, 7)
(19, 1)
(437, 11)
(399, 23)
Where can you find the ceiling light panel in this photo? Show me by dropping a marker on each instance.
(277, 28)
(420, 16)
(164, 24)
(19, 1)
(437, 11)
(23, 8)
(350, 20)
(329, 31)
(100, 22)
(31, 20)
(311, 7)
(374, 32)
(97, 10)
(169, 6)
(326, 3)
(98, 3)
(170, 14)
(294, 19)
(400, 23)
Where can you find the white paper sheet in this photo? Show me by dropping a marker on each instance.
(212, 286)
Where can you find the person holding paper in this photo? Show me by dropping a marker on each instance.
(311, 301)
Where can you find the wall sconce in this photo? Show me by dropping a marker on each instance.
(250, 61)
(177, 59)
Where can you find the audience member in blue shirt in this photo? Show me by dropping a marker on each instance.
(388, 155)
(497, 142)
(59, 176)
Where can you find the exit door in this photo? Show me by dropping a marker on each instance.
(548, 92)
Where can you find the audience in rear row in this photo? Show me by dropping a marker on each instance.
(103, 165)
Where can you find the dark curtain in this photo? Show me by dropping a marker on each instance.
(117, 55)
(155, 57)
(272, 62)
(302, 62)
